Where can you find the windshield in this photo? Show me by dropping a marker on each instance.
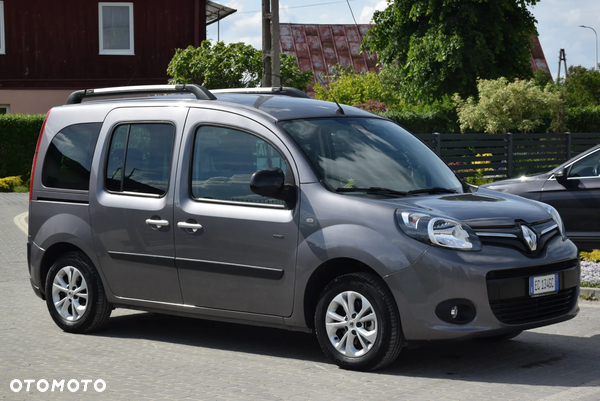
(369, 153)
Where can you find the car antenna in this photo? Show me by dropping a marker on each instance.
(339, 109)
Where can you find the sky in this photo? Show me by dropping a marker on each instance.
(558, 23)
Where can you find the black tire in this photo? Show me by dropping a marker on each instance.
(81, 305)
(385, 342)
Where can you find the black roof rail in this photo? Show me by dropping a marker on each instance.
(276, 90)
(200, 92)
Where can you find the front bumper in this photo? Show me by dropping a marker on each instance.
(494, 281)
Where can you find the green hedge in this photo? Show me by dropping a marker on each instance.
(583, 119)
(18, 138)
(425, 122)
(579, 120)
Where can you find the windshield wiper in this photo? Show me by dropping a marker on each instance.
(374, 190)
(434, 190)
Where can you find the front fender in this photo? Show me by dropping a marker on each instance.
(350, 241)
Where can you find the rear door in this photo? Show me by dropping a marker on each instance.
(234, 250)
(131, 204)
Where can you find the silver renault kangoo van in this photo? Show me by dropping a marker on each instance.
(282, 211)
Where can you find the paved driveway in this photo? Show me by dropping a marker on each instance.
(144, 356)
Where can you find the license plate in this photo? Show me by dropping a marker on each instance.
(543, 284)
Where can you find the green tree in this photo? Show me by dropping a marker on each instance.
(441, 47)
(505, 106)
(582, 87)
(233, 65)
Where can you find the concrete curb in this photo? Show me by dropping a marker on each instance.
(586, 292)
(21, 222)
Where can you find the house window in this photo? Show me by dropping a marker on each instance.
(115, 21)
(2, 43)
(4, 109)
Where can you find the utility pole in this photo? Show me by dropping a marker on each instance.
(270, 43)
(562, 57)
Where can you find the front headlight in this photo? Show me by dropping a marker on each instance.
(557, 219)
(438, 230)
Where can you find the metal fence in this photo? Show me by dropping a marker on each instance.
(507, 155)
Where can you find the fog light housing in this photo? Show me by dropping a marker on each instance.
(456, 311)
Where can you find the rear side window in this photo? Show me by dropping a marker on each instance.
(224, 160)
(69, 157)
(139, 158)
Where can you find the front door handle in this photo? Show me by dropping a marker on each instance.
(190, 227)
(157, 223)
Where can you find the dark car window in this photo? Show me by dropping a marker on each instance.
(69, 157)
(139, 158)
(224, 160)
(589, 166)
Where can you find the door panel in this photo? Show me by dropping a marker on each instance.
(234, 249)
(578, 198)
(132, 212)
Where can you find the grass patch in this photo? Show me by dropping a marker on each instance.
(21, 189)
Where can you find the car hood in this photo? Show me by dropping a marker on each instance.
(484, 208)
(527, 186)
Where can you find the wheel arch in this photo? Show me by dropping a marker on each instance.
(52, 254)
(323, 275)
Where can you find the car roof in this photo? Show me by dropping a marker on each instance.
(278, 104)
(287, 108)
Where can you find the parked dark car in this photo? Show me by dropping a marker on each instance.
(573, 188)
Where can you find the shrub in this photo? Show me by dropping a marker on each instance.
(350, 87)
(583, 119)
(8, 184)
(373, 106)
(18, 138)
(505, 106)
(593, 256)
(438, 117)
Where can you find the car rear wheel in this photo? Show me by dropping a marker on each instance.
(75, 296)
(357, 323)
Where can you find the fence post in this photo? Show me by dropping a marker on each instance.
(568, 145)
(437, 140)
(509, 155)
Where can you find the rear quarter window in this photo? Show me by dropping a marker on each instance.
(69, 157)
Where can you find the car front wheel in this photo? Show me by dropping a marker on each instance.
(357, 323)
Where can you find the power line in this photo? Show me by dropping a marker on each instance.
(352, 12)
(304, 6)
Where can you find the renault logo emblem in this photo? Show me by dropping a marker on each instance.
(530, 237)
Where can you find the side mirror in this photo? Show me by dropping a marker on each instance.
(270, 183)
(562, 175)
